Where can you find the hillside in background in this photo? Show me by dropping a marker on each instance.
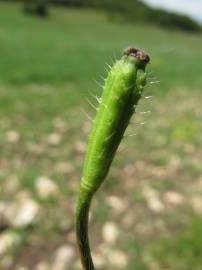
(135, 10)
(128, 10)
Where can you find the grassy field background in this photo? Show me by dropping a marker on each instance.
(148, 214)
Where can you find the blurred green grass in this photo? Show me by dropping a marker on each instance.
(47, 68)
(73, 45)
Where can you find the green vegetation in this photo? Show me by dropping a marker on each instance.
(187, 246)
(36, 7)
(26, 56)
(118, 10)
(156, 176)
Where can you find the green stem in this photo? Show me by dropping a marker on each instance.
(82, 229)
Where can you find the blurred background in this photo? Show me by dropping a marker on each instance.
(148, 214)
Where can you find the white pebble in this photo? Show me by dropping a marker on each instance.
(12, 136)
(23, 211)
(117, 259)
(99, 261)
(173, 197)
(8, 240)
(116, 204)
(42, 266)
(153, 202)
(54, 138)
(46, 187)
(110, 232)
(63, 257)
(155, 205)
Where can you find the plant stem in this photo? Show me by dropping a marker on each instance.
(121, 93)
(82, 216)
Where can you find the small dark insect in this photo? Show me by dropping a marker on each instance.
(139, 54)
